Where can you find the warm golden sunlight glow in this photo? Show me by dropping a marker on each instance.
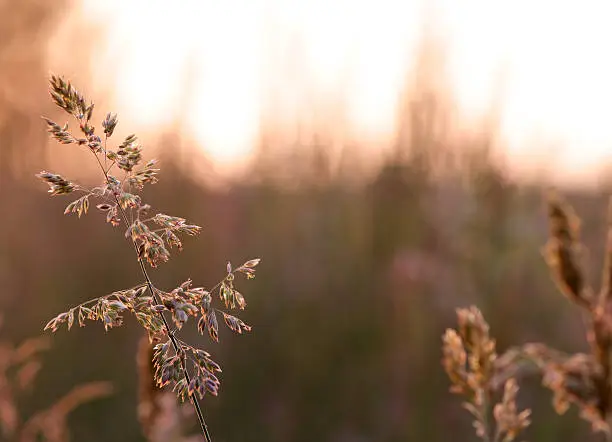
(219, 69)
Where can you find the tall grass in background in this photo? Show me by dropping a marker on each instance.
(348, 329)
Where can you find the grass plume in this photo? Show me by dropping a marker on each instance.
(189, 371)
(581, 379)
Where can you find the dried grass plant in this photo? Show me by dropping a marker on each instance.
(583, 379)
(19, 366)
(190, 371)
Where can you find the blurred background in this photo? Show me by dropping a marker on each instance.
(386, 160)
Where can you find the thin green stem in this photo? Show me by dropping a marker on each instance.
(177, 349)
(111, 166)
(84, 189)
(105, 159)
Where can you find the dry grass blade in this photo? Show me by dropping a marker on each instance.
(51, 423)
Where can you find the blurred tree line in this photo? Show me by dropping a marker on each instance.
(360, 274)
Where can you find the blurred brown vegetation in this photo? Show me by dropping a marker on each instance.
(360, 274)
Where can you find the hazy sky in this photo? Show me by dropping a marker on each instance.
(241, 56)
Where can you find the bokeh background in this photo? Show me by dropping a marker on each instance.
(386, 160)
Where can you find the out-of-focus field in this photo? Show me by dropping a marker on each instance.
(361, 269)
